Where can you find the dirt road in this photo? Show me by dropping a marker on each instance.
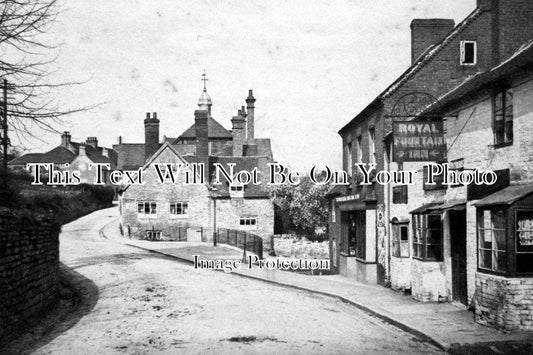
(136, 302)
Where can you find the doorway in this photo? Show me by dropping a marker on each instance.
(458, 255)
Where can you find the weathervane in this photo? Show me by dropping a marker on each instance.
(204, 79)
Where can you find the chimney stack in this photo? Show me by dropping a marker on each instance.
(202, 138)
(250, 101)
(238, 132)
(151, 135)
(105, 153)
(426, 32)
(81, 151)
(92, 141)
(65, 139)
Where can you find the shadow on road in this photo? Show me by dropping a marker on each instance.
(77, 297)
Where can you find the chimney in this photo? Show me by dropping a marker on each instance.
(238, 132)
(92, 141)
(81, 151)
(485, 4)
(151, 135)
(250, 100)
(105, 153)
(119, 139)
(426, 32)
(202, 138)
(65, 139)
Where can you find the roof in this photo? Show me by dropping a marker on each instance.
(130, 155)
(58, 155)
(241, 163)
(506, 196)
(420, 62)
(26, 158)
(425, 208)
(522, 58)
(214, 130)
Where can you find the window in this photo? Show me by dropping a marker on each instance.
(349, 159)
(399, 194)
(438, 179)
(359, 157)
(179, 208)
(236, 190)
(524, 242)
(147, 209)
(153, 235)
(400, 239)
(503, 117)
(427, 241)
(491, 240)
(468, 52)
(371, 146)
(248, 222)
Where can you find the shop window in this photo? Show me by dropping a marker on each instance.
(427, 237)
(179, 209)
(147, 209)
(400, 239)
(354, 233)
(503, 118)
(492, 239)
(524, 242)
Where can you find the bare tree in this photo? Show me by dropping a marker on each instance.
(25, 59)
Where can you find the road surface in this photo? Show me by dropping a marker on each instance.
(136, 302)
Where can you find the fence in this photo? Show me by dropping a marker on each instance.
(241, 239)
(237, 238)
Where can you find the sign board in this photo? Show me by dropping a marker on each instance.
(348, 198)
(420, 140)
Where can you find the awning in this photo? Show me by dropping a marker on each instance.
(456, 205)
(506, 196)
(425, 208)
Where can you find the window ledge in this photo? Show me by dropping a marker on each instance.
(502, 145)
(427, 260)
(347, 255)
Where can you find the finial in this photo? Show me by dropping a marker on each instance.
(204, 79)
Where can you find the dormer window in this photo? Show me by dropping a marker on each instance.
(468, 53)
(236, 191)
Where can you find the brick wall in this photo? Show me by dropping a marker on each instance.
(504, 303)
(29, 268)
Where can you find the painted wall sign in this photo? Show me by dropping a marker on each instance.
(419, 141)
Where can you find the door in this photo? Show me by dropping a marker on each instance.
(458, 251)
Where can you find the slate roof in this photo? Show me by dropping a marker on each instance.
(26, 158)
(420, 62)
(506, 196)
(130, 155)
(241, 163)
(522, 58)
(214, 130)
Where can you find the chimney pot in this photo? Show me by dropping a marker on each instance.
(154, 115)
(147, 115)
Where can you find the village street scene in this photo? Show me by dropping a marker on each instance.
(252, 178)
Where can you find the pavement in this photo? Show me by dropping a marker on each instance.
(447, 325)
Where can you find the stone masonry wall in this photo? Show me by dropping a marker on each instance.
(428, 281)
(29, 268)
(505, 303)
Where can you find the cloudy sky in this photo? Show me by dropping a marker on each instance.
(313, 65)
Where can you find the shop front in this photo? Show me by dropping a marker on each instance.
(356, 245)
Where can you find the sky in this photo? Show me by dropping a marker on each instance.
(313, 65)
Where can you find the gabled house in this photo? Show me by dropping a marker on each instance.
(177, 211)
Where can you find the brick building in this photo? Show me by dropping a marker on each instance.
(474, 243)
(369, 234)
(172, 211)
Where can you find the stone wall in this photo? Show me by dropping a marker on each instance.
(429, 283)
(505, 303)
(29, 267)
